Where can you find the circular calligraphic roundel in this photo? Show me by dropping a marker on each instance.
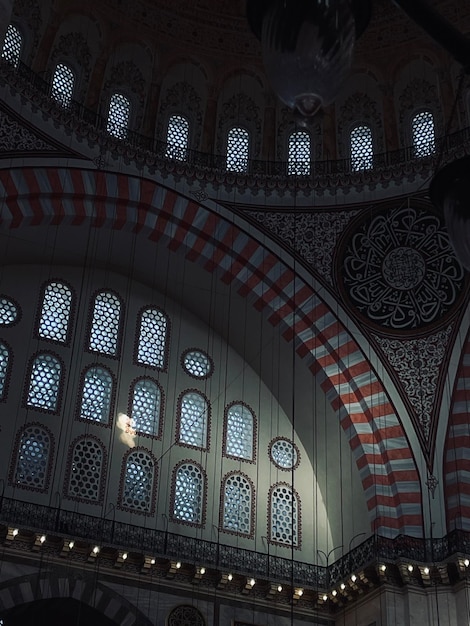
(398, 269)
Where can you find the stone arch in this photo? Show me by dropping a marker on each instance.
(376, 436)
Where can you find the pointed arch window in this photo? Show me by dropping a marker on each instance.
(362, 151)
(86, 468)
(188, 490)
(299, 154)
(44, 382)
(9, 311)
(193, 420)
(12, 45)
(63, 82)
(284, 511)
(177, 138)
(55, 312)
(423, 133)
(105, 324)
(138, 482)
(152, 339)
(97, 395)
(146, 407)
(118, 116)
(238, 149)
(237, 504)
(4, 368)
(32, 454)
(240, 432)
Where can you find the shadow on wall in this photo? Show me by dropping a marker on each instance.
(54, 612)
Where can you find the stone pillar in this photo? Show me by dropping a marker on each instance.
(6, 7)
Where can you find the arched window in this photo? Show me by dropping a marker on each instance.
(240, 432)
(44, 382)
(105, 324)
(188, 494)
(152, 338)
(12, 44)
(4, 369)
(185, 614)
(32, 458)
(177, 138)
(97, 395)
(237, 504)
(55, 312)
(62, 85)
(137, 483)
(362, 152)
(118, 116)
(146, 407)
(9, 313)
(238, 149)
(422, 128)
(299, 154)
(192, 421)
(284, 511)
(86, 469)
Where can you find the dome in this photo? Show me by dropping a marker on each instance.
(233, 343)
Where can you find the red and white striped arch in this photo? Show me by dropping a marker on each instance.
(388, 471)
(457, 450)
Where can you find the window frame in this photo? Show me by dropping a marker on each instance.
(120, 325)
(27, 387)
(68, 472)
(254, 433)
(112, 397)
(128, 129)
(6, 382)
(251, 532)
(140, 433)
(15, 458)
(179, 405)
(17, 61)
(246, 169)
(184, 150)
(166, 347)
(293, 164)
(122, 482)
(415, 149)
(177, 520)
(71, 313)
(271, 540)
(62, 103)
(353, 129)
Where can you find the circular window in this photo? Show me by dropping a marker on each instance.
(284, 454)
(9, 313)
(197, 363)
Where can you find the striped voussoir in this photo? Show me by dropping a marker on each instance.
(457, 457)
(117, 201)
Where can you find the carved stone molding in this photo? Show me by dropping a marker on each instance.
(15, 137)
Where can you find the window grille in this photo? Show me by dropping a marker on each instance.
(239, 436)
(188, 489)
(8, 312)
(118, 116)
(137, 492)
(238, 143)
(151, 349)
(105, 324)
(33, 458)
(362, 152)
(4, 362)
(192, 420)
(146, 407)
(44, 382)
(62, 85)
(55, 312)
(177, 138)
(185, 615)
(284, 454)
(299, 154)
(237, 504)
(422, 127)
(96, 395)
(12, 44)
(86, 469)
(197, 364)
(284, 527)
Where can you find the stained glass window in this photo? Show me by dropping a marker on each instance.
(105, 324)
(96, 398)
(284, 526)
(118, 116)
(362, 152)
(11, 50)
(137, 491)
(146, 407)
(240, 431)
(33, 457)
(193, 419)
(152, 339)
(177, 138)
(86, 464)
(44, 382)
(62, 85)
(238, 148)
(237, 504)
(55, 312)
(299, 154)
(422, 127)
(188, 493)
